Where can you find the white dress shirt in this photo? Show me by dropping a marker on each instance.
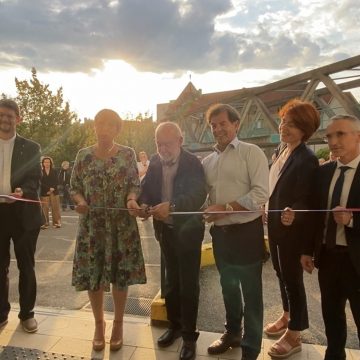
(239, 173)
(6, 151)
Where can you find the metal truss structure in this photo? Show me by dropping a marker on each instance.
(330, 87)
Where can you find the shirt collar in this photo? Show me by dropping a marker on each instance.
(8, 141)
(234, 143)
(352, 164)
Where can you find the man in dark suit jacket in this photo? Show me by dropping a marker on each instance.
(20, 221)
(175, 181)
(335, 247)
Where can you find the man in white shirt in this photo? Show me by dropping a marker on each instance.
(237, 177)
(20, 221)
(335, 247)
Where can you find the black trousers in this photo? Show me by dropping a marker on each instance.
(339, 282)
(24, 246)
(182, 266)
(286, 263)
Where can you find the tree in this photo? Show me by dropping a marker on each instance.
(323, 153)
(47, 119)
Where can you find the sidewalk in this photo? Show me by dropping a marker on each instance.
(65, 334)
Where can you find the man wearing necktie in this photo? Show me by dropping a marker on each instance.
(335, 247)
(20, 221)
(175, 181)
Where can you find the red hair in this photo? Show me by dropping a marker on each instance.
(304, 116)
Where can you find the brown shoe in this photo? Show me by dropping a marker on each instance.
(226, 341)
(29, 325)
(98, 342)
(116, 340)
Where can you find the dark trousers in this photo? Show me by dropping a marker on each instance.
(66, 198)
(339, 282)
(286, 262)
(240, 279)
(182, 266)
(24, 246)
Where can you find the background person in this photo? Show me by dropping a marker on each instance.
(290, 182)
(175, 182)
(237, 178)
(64, 185)
(336, 244)
(49, 193)
(143, 164)
(20, 222)
(108, 247)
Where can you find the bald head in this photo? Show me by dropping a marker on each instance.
(170, 128)
(168, 139)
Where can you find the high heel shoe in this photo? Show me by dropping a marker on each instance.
(99, 342)
(116, 340)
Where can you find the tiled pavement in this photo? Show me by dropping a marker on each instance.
(70, 333)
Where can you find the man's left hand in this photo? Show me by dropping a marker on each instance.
(160, 211)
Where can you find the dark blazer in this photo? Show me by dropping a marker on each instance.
(26, 173)
(189, 194)
(293, 189)
(49, 181)
(320, 195)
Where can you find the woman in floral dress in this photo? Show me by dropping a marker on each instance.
(108, 247)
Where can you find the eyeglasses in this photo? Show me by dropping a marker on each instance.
(337, 135)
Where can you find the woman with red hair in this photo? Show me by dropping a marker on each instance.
(290, 183)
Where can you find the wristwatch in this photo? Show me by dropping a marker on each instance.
(228, 207)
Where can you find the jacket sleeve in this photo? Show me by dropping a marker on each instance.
(28, 176)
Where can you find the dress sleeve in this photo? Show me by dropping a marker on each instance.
(133, 174)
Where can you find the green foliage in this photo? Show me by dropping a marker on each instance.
(140, 135)
(47, 119)
(323, 153)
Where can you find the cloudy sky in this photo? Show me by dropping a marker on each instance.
(132, 54)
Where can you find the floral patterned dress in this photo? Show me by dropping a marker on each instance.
(108, 248)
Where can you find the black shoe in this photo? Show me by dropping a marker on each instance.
(226, 341)
(188, 350)
(249, 354)
(168, 337)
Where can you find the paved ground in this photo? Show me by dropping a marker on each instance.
(54, 265)
(67, 334)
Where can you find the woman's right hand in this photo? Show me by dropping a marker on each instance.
(82, 207)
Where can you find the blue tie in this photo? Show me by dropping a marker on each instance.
(335, 201)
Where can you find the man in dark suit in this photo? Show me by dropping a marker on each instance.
(175, 181)
(20, 221)
(336, 243)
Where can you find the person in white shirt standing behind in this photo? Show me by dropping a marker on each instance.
(237, 177)
(143, 164)
(20, 221)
